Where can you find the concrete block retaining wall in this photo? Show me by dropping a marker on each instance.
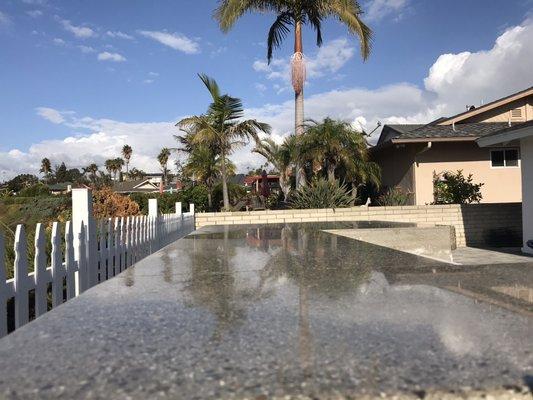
(475, 224)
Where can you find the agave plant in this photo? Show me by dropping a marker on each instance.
(322, 194)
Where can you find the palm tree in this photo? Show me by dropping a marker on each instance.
(295, 14)
(92, 170)
(136, 174)
(46, 167)
(163, 157)
(222, 128)
(109, 166)
(126, 153)
(336, 145)
(281, 157)
(119, 163)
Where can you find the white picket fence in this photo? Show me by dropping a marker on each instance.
(89, 252)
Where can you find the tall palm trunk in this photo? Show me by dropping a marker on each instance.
(225, 194)
(299, 105)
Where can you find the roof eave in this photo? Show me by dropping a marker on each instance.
(434, 139)
(505, 137)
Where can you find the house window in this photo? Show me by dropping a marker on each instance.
(504, 158)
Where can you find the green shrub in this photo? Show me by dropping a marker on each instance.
(166, 202)
(455, 188)
(322, 194)
(35, 190)
(394, 197)
(236, 193)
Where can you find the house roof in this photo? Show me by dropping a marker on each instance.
(425, 133)
(251, 179)
(473, 130)
(133, 186)
(507, 134)
(60, 186)
(486, 107)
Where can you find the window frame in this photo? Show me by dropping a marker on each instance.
(505, 150)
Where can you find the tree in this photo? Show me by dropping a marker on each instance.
(294, 14)
(61, 173)
(222, 128)
(280, 156)
(119, 163)
(135, 174)
(341, 151)
(46, 167)
(455, 188)
(126, 153)
(110, 166)
(91, 170)
(163, 157)
(21, 181)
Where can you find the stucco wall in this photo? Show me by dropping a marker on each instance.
(475, 225)
(397, 167)
(502, 185)
(527, 190)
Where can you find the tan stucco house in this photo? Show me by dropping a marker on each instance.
(522, 136)
(409, 155)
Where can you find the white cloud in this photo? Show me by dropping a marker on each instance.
(82, 32)
(59, 41)
(175, 41)
(148, 81)
(260, 87)
(100, 139)
(329, 59)
(35, 2)
(107, 56)
(119, 35)
(34, 13)
(86, 49)
(379, 9)
(151, 73)
(5, 20)
(51, 115)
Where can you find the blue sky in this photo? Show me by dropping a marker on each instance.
(81, 78)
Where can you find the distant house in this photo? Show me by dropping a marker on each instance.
(135, 186)
(253, 183)
(409, 155)
(146, 185)
(60, 188)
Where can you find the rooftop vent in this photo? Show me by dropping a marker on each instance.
(516, 113)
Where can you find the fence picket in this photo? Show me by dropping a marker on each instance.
(91, 256)
(70, 265)
(21, 278)
(57, 266)
(3, 290)
(39, 267)
(81, 285)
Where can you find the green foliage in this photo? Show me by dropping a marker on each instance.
(322, 194)
(21, 181)
(167, 201)
(394, 197)
(455, 188)
(35, 190)
(236, 193)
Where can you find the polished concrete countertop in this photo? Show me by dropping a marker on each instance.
(264, 311)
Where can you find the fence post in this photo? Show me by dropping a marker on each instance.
(82, 216)
(3, 289)
(153, 216)
(191, 209)
(178, 208)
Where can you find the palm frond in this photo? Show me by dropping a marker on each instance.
(278, 32)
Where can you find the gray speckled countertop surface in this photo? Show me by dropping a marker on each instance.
(254, 312)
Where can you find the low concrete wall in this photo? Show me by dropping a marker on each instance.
(475, 224)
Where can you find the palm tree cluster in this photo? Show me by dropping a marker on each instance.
(330, 149)
(214, 135)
